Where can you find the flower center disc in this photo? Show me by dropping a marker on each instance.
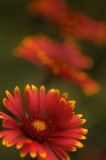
(36, 129)
(39, 125)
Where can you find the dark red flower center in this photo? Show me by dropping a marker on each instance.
(37, 129)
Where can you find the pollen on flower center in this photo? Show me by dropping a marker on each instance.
(39, 125)
(37, 129)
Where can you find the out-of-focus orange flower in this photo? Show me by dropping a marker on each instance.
(71, 23)
(64, 59)
(49, 127)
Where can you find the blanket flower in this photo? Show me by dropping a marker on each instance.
(72, 23)
(65, 60)
(46, 127)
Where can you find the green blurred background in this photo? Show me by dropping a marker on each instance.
(15, 24)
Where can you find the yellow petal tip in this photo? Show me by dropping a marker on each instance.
(4, 100)
(85, 131)
(43, 155)
(9, 145)
(72, 104)
(34, 87)
(65, 95)
(80, 115)
(42, 87)
(79, 145)
(4, 142)
(1, 116)
(23, 154)
(27, 87)
(18, 146)
(82, 137)
(68, 158)
(52, 90)
(16, 88)
(62, 100)
(73, 149)
(7, 92)
(83, 120)
(33, 155)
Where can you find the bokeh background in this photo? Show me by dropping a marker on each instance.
(15, 24)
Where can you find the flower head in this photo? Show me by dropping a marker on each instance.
(71, 23)
(49, 127)
(65, 60)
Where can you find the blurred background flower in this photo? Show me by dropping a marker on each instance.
(73, 23)
(15, 24)
(64, 59)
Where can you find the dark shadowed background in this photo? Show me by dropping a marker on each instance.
(15, 24)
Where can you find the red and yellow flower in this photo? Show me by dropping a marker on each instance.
(47, 129)
(65, 60)
(71, 23)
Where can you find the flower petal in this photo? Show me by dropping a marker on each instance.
(63, 109)
(19, 142)
(31, 96)
(68, 135)
(66, 144)
(82, 79)
(49, 154)
(8, 122)
(42, 99)
(60, 152)
(7, 117)
(9, 135)
(14, 104)
(33, 148)
(52, 98)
